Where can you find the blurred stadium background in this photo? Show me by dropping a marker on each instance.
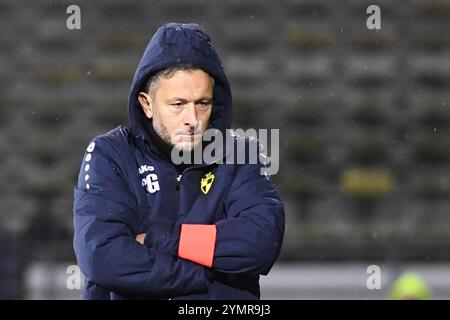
(364, 120)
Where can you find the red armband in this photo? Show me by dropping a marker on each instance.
(197, 243)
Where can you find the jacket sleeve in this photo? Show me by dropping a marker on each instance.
(250, 238)
(106, 223)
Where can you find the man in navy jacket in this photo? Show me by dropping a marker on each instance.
(147, 228)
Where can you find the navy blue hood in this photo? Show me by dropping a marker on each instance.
(176, 43)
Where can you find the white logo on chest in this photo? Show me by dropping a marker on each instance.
(150, 182)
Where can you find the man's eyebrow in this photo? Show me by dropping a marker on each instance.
(176, 98)
(208, 99)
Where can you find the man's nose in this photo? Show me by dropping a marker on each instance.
(191, 118)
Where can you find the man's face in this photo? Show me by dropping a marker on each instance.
(180, 107)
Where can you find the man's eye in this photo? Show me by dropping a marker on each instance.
(177, 104)
(204, 104)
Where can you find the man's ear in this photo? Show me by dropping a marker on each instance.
(146, 103)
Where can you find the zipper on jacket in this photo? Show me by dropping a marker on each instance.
(178, 184)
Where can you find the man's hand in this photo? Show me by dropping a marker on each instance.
(140, 238)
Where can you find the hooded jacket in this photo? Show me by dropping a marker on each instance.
(211, 231)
